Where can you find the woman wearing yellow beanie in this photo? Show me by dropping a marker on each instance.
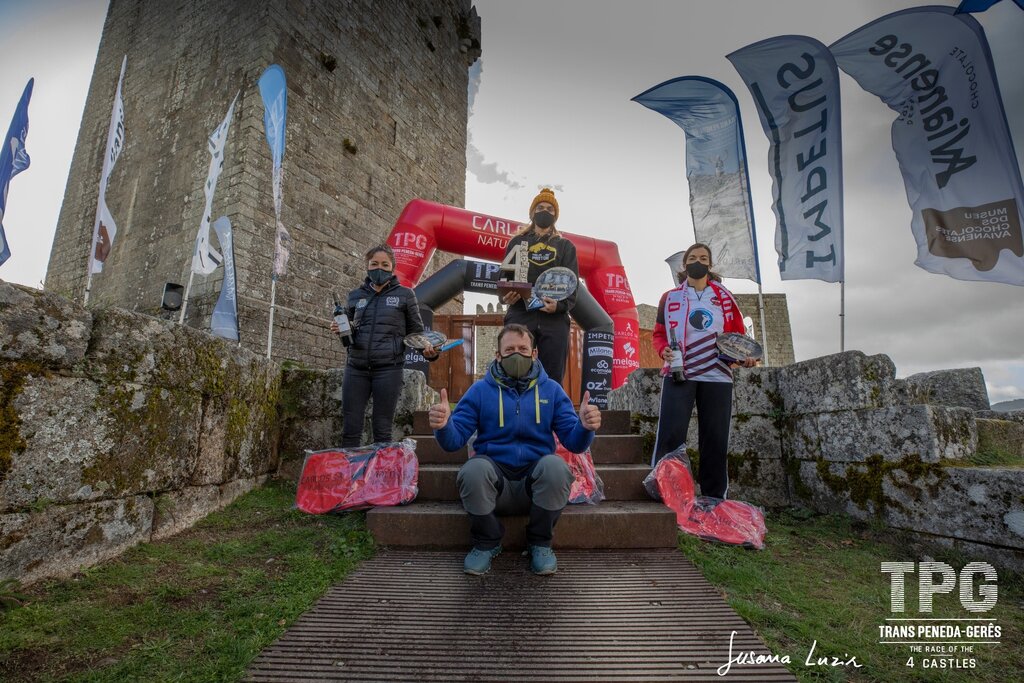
(546, 249)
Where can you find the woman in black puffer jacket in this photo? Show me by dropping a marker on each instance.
(382, 313)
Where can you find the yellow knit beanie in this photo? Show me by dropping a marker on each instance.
(546, 195)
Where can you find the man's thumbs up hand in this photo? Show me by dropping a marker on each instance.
(440, 412)
(590, 415)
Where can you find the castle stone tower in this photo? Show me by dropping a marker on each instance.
(377, 109)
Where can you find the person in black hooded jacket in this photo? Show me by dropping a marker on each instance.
(382, 312)
(547, 249)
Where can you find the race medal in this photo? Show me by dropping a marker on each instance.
(557, 283)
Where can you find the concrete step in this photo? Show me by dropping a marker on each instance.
(608, 449)
(621, 482)
(622, 524)
(612, 422)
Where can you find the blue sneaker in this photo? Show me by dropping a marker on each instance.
(542, 560)
(479, 561)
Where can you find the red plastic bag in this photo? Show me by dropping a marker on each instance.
(714, 519)
(340, 479)
(587, 487)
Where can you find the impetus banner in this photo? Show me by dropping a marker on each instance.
(716, 168)
(274, 91)
(104, 229)
(934, 68)
(795, 85)
(206, 259)
(13, 159)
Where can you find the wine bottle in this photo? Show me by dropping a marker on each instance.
(344, 327)
(676, 361)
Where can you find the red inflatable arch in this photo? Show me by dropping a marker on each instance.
(425, 226)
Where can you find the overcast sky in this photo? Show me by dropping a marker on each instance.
(551, 105)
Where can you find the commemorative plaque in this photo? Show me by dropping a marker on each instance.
(736, 348)
(421, 340)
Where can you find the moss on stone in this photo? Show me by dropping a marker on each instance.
(802, 490)
(145, 433)
(745, 468)
(863, 481)
(12, 381)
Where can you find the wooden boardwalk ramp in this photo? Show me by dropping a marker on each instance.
(625, 604)
(607, 615)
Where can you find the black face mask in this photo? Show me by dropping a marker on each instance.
(544, 219)
(696, 270)
(378, 276)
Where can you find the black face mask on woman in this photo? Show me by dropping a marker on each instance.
(378, 276)
(696, 270)
(544, 219)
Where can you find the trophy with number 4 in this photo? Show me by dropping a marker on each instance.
(517, 263)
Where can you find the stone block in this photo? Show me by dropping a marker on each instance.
(963, 387)
(845, 488)
(928, 433)
(40, 328)
(975, 504)
(842, 381)
(801, 439)
(176, 511)
(1004, 436)
(641, 394)
(416, 396)
(304, 393)
(754, 436)
(63, 539)
(314, 434)
(1011, 415)
(84, 443)
(755, 392)
(1000, 558)
(761, 481)
(137, 348)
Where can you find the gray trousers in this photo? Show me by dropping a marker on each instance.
(487, 492)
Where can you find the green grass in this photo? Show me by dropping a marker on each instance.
(195, 607)
(991, 457)
(201, 605)
(819, 579)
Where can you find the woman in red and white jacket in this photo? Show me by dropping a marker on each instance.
(694, 314)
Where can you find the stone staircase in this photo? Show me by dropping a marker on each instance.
(627, 518)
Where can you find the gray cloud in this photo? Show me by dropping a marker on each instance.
(487, 172)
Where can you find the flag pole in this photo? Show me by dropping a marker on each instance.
(270, 327)
(842, 315)
(764, 335)
(184, 304)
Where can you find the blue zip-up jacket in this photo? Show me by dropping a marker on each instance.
(515, 429)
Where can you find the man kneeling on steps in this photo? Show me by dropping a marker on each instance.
(514, 409)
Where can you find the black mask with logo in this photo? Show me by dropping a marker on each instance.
(543, 219)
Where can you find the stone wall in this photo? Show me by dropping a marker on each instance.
(841, 434)
(310, 413)
(779, 348)
(118, 428)
(377, 110)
